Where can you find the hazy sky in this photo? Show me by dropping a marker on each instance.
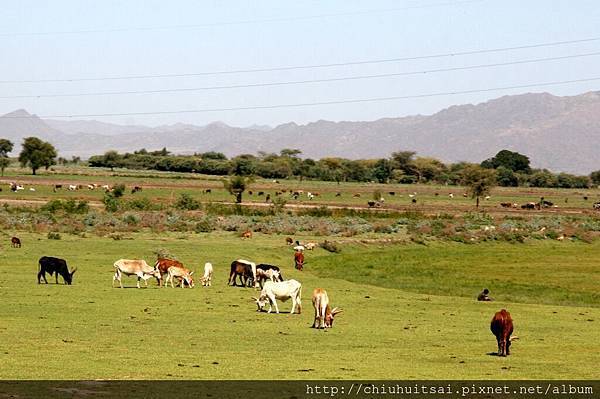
(91, 39)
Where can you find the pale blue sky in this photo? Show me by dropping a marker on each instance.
(407, 28)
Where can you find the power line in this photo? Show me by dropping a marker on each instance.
(314, 66)
(241, 22)
(297, 82)
(296, 105)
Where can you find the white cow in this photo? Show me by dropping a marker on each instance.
(72, 187)
(283, 291)
(206, 279)
(268, 274)
(130, 267)
(323, 313)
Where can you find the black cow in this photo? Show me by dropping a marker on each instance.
(56, 266)
(265, 267)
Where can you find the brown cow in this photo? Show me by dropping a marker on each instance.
(502, 328)
(15, 242)
(299, 260)
(289, 240)
(243, 269)
(162, 265)
(247, 234)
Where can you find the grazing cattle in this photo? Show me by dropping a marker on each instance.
(247, 234)
(183, 273)
(289, 241)
(371, 203)
(487, 197)
(451, 195)
(264, 266)
(299, 260)
(357, 195)
(502, 328)
(264, 275)
(250, 192)
(106, 187)
(529, 205)
(136, 189)
(72, 187)
(323, 313)
(162, 266)
(391, 192)
(585, 198)
(57, 187)
(137, 267)
(310, 246)
(208, 191)
(338, 194)
(261, 193)
(206, 279)
(91, 187)
(484, 296)
(547, 204)
(31, 189)
(506, 204)
(597, 206)
(245, 270)
(15, 242)
(414, 200)
(56, 266)
(283, 291)
(268, 198)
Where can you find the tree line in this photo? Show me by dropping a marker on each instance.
(507, 168)
(511, 169)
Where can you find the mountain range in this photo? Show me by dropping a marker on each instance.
(558, 133)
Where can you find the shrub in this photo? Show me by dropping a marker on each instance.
(131, 219)
(187, 202)
(118, 190)
(141, 204)
(111, 202)
(205, 225)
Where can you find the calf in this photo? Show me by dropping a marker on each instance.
(323, 313)
(282, 291)
(162, 266)
(56, 266)
(264, 266)
(264, 275)
(137, 267)
(245, 270)
(597, 206)
(136, 189)
(15, 242)
(182, 273)
(502, 328)
(206, 279)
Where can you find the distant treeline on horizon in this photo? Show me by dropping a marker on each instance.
(512, 169)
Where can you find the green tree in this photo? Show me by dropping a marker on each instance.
(478, 180)
(382, 170)
(506, 177)
(6, 146)
(510, 160)
(595, 177)
(290, 152)
(110, 159)
(236, 185)
(36, 154)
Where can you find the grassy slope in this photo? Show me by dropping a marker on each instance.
(90, 330)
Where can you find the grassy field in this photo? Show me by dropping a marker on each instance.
(409, 312)
(165, 187)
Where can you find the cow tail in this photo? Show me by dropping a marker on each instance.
(299, 300)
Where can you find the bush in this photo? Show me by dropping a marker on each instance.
(131, 219)
(111, 202)
(206, 225)
(187, 202)
(118, 190)
(52, 235)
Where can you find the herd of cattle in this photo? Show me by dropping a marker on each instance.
(272, 284)
(268, 277)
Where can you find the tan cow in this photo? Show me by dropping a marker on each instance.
(323, 313)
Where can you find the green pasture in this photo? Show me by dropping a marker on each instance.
(409, 312)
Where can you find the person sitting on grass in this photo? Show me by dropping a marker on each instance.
(484, 296)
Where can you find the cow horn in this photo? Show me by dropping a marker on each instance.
(191, 273)
(254, 299)
(73, 271)
(336, 311)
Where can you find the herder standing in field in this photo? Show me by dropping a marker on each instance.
(299, 256)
